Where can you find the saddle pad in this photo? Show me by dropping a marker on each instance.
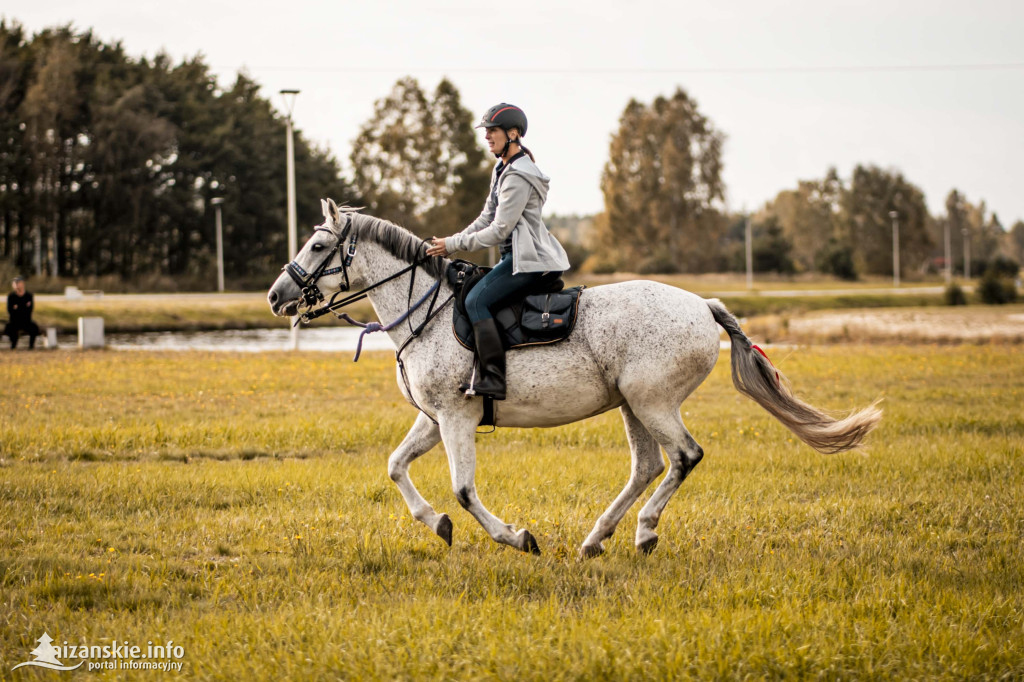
(539, 319)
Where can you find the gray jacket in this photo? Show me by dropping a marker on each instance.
(521, 192)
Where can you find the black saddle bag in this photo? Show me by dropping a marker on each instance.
(548, 314)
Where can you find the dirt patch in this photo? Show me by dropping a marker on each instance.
(981, 324)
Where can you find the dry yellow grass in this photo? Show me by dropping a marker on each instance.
(239, 505)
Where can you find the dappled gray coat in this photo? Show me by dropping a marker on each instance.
(642, 347)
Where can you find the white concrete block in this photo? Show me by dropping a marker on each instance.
(51, 337)
(90, 332)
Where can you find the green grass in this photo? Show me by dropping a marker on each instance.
(239, 505)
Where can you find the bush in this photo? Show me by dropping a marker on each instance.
(996, 290)
(955, 295)
(836, 259)
(1003, 266)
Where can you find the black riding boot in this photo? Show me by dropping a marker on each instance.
(490, 374)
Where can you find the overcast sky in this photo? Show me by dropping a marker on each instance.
(932, 88)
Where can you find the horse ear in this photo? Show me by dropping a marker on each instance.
(325, 209)
(335, 212)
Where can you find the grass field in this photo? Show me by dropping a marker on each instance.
(239, 505)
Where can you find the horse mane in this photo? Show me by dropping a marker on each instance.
(397, 240)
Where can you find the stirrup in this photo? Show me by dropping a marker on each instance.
(467, 388)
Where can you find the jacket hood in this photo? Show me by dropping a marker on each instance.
(527, 169)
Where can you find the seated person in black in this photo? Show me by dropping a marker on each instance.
(19, 310)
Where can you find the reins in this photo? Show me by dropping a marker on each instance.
(370, 327)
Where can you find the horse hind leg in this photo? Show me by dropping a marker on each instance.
(647, 465)
(423, 436)
(683, 454)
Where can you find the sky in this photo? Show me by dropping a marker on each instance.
(933, 89)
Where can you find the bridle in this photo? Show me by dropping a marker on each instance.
(311, 295)
(307, 281)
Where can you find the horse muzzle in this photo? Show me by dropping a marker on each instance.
(284, 297)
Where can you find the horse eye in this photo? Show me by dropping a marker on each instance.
(317, 247)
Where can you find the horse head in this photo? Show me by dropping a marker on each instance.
(318, 267)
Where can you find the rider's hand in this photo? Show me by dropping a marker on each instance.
(437, 247)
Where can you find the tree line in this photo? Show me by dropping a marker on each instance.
(664, 212)
(108, 164)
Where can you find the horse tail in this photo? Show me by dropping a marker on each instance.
(754, 376)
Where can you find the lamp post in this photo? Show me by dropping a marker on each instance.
(895, 247)
(749, 238)
(967, 253)
(293, 240)
(949, 253)
(217, 202)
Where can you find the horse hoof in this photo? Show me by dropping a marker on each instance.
(529, 543)
(444, 529)
(648, 545)
(591, 551)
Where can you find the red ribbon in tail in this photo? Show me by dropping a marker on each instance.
(765, 356)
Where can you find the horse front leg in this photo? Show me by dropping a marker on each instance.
(459, 436)
(423, 435)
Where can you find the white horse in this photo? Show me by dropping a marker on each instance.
(640, 346)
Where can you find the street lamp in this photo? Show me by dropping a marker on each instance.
(749, 239)
(949, 252)
(895, 248)
(967, 253)
(217, 201)
(293, 239)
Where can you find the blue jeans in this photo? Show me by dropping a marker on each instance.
(498, 287)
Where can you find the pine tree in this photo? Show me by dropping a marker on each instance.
(809, 218)
(391, 157)
(1017, 241)
(418, 162)
(662, 184)
(872, 194)
(462, 170)
(107, 163)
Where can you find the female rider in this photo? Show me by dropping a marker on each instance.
(511, 220)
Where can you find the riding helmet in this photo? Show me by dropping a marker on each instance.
(504, 116)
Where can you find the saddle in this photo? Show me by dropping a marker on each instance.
(546, 315)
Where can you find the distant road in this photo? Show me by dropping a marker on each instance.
(888, 291)
(235, 296)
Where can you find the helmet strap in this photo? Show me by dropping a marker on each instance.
(508, 143)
